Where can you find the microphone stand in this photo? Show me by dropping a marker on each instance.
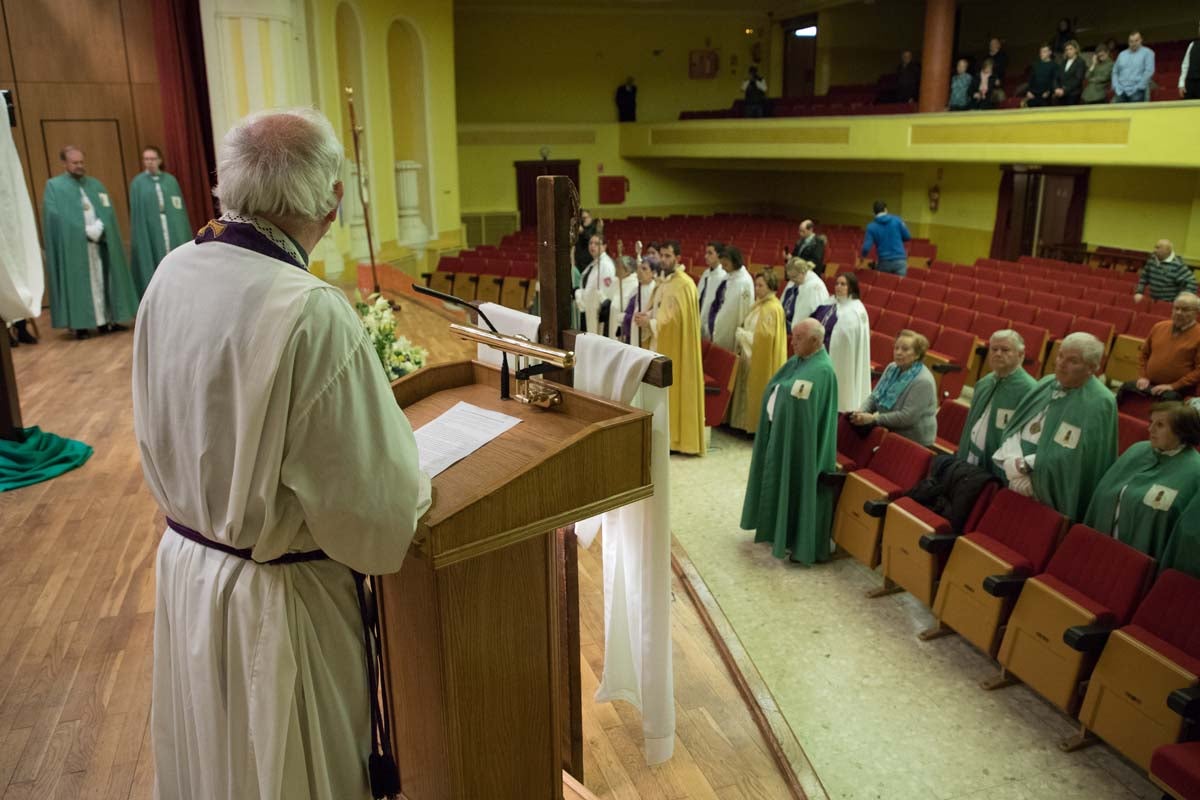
(458, 301)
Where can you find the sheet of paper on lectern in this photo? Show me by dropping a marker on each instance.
(456, 434)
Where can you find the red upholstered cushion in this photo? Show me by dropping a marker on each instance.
(874, 478)
(1170, 612)
(1023, 524)
(1169, 650)
(1110, 573)
(709, 380)
(901, 461)
(1103, 614)
(1018, 562)
(935, 521)
(1178, 766)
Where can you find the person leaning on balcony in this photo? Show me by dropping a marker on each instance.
(1099, 76)
(1132, 73)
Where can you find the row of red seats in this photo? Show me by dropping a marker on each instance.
(1069, 615)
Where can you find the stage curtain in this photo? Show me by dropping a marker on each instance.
(183, 84)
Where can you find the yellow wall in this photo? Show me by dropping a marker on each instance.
(564, 66)
(489, 179)
(434, 23)
(857, 42)
(1134, 208)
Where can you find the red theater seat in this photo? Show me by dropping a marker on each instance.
(719, 368)
(856, 445)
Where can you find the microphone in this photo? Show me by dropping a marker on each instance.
(458, 301)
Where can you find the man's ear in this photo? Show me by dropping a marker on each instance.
(338, 192)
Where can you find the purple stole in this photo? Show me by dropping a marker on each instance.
(827, 315)
(789, 304)
(246, 236)
(716, 306)
(633, 305)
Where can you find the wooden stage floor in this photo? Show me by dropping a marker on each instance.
(77, 604)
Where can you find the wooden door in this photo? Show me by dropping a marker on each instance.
(799, 59)
(1037, 208)
(527, 174)
(100, 140)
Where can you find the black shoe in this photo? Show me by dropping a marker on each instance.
(12, 340)
(82, 334)
(23, 334)
(113, 327)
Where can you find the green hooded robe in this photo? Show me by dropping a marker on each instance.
(785, 504)
(147, 213)
(998, 399)
(1156, 489)
(1076, 445)
(67, 255)
(1183, 545)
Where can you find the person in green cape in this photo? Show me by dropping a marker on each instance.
(996, 397)
(1063, 436)
(785, 503)
(1142, 497)
(90, 284)
(158, 220)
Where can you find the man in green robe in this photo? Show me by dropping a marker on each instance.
(1063, 436)
(1142, 497)
(158, 219)
(997, 395)
(90, 285)
(797, 440)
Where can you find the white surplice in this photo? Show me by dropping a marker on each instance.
(735, 305)
(809, 294)
(712, 278)
(264, 421)
(510, 322)
(22, 281)
(850, 351)
(598, 282)
(637, 552)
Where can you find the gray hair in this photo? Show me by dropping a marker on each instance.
(1011, 335)
(1090, 348)
(1187, 300)
(281, 163)
(813, 327)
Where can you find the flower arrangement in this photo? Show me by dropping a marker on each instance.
(397, 354)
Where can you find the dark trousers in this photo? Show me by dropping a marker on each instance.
(1193, 89)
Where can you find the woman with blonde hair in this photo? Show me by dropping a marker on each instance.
(805, 291)
(761, 349)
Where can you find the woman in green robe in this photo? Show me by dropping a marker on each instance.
(1142, 498)
(785, 503)
(158, 218)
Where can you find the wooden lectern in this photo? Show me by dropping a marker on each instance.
(472, 624)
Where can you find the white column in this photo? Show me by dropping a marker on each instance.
(353, 208)
(411, 229)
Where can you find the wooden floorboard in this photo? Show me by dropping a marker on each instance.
(77, 607)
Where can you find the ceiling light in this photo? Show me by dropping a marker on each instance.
(806, 33)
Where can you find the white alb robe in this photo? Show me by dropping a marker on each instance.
(598, 282)
(637, 553)
(738, 300)
(264, 421)
(811, 293)
(22, 280)
(850, 351)
(707, 291)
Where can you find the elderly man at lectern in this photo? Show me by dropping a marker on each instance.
(271, 441)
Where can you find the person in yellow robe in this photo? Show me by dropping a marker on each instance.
(672, 327)
(761, 350)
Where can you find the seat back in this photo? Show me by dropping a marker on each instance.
(1024, 525)
(900, 303)
(1121, 318)
(930, 310)
(1080, 308)
(982, 502)
(1057, 322)
(1171, 609)
(855, 445)
(951, 417)
(891, 322)
(719, 365)
(1130, 430)
(924, 327)
(987, 324)
(1020, 312)
(960, 318)
(1103, 569)
(933, 291)
(1142, 323)
(960, 297)
(902, 461)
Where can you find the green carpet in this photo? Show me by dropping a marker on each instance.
(40, 457)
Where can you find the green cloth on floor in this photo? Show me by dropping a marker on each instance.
(40, 457)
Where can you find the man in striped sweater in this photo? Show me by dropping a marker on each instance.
(1165, 274)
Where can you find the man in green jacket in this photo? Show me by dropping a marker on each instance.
(1063, 436)
(158, 220)
(785, 503)
(90, 285)
(997, 395)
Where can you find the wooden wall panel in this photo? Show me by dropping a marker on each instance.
(67, 41)
(148, 118)
(52, 110)
(100, 140)
(139, 41)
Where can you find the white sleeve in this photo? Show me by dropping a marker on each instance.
(350, 457)
(1183, 68)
